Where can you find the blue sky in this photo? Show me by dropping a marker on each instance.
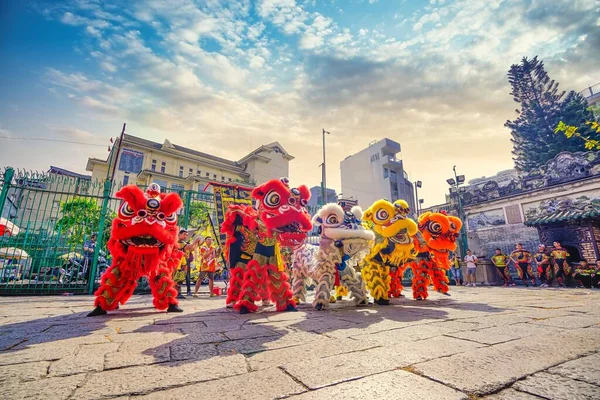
(227, 76)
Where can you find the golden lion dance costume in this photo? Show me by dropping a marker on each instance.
(343, 244)
(253, 244)
(143, 242)
(387, 261)
(439, 232)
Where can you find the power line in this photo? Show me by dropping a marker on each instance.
(52, 140)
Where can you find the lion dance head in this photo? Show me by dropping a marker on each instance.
(391, 220)
(282, 210)
(439, 230)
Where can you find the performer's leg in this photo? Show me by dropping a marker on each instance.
(299, 275)
(377, 278)
(116, 286)
(279, 288)
(396, 274)
(548, 273)
(439, 278)
(520, 273)
(531, 275)
(355, 284)
(559, 274)
(324, 272)
(420, 281)
(235, 284)
(163, 290)
(251, 288)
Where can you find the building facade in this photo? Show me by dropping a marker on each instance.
(559, 201)
(592, 94)
(175, 167)
(376, 173)
(316, 196)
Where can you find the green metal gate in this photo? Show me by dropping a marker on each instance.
(49, 219)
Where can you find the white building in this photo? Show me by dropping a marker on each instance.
(316, 196)
(376, 173)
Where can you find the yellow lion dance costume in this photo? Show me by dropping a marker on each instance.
(387, 261)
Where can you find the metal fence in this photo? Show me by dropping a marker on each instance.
(48, 221)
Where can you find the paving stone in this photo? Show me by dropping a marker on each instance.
(273, 384)
(38, 352)
(251, 331)
(511, 394)
(584, 369)
(24, 372)
(488, 369)
(389, 385)
(44, 389)
(557, 387)
(189, 351)
(147, 379)
(504, 333)
(317, 373)
(89, 358)
(247, 346)
(406, 334)
(307, 351)
(571, 321)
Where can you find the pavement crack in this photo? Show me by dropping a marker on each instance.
(298, 381)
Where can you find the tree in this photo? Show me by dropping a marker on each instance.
(80, 218)
(198, 215)
(571, 130)
(542, 106)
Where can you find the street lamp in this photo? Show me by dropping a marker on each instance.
(455, 182)
(418, 185)
(323, 172)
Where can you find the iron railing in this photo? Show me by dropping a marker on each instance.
(591, 91)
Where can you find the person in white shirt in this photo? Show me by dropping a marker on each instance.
(471, 261)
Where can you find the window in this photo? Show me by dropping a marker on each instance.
(386, 173)
(177, 188)
(163, 167)
(198, 172)
(222, 179)
(125, 180)
(214, 176)
(191, 171)
(375, 157)
(207, 174)
(181, 171)
(229, 179)
(162, 184)
(153, 166)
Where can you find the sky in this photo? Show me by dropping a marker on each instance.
(224, 77)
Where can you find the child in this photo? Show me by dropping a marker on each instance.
(208, 264)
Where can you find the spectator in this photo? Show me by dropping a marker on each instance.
(184, 245)
(562, 270)
(208, 264)
(596, 276)
(544, 266)
(455, 269)
(585, 274)
(471, 261)
(500, 260)
(522, 259)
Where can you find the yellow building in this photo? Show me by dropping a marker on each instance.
(142, 161)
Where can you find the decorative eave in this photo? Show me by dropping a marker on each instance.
(565, 216)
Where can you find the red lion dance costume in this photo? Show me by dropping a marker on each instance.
(143, 242)
(253, 244)
(439, 232)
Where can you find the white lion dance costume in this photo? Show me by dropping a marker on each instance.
(344, 243)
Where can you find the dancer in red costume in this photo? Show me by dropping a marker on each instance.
(253, 244)
(142, 243)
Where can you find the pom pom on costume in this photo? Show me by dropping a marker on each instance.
(344, 243)
(254, 239)
(143, 242)
(439, 232)
(394, 252)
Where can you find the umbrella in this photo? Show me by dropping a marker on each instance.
(7, 227)
(70, 255)
(13, 252)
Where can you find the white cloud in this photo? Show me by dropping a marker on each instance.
(108, 67)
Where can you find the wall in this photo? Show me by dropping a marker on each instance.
(278, 167)
(484, 242)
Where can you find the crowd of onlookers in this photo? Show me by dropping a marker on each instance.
(546, 265)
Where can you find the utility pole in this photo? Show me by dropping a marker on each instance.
(324, 171)
(461, 214)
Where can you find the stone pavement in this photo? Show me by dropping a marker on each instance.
(485, 342)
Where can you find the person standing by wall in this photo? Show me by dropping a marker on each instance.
(500, 260)
(455, 269)
(522, 259)
(471, 262)
(562, 270)
(544, 266)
